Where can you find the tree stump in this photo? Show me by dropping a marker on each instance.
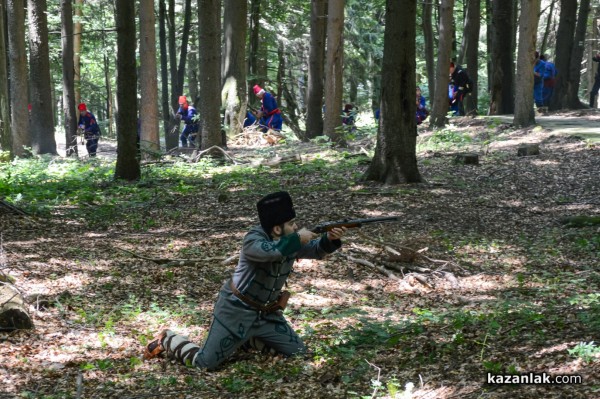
(467, 158)
(528, 149)
(13, 310)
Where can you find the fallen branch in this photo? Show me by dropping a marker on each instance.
(215, 148)
(166, 262)
(380, 269)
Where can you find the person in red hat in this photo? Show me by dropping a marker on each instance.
(90, 128)
(269, 116)
(189, 116)
(249, 310)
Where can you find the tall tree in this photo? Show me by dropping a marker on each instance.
(209, 35)
(395, 159)
(233, 92)
(429, 47)
(469, 52)
(564, 45)
(438, 116)
(172, 136)
(571, 91)
(528, 23)
(316, 72)
(5, 134)
(254, 77)
(334, 64)
(77, 33)
(42, 122)
(128, 166)
(171, 140)
(148, 80)
(183, 51)
(502, 79)
(68, 77)
(18, 77)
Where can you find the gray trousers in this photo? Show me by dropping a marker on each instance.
(267, 333)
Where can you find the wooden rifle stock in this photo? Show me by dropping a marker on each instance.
(350, 224)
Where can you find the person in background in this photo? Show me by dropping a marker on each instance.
(250, 119)
(596, 86)
(538, 80)
(462, 86)
(269, 116)
(422, 111)
(348, 117)
(189, 116)
(549, 80)
(249, 309)
(90, 129)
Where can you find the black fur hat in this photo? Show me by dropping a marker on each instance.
(275, 209)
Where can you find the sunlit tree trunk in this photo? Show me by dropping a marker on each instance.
(209, 36)
(42, 124)
(334, 64)
(440, 102)
(528, 23)
(5, 134)
(395, 159)
(128, 166)
(21, 137)
(148, 78)
(77, 33)
(183, 51)
(233, 92)
(316, 72)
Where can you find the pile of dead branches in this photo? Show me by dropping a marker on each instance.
(404, 264)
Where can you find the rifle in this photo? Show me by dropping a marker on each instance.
(354, 223)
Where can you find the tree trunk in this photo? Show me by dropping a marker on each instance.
(42, 124)
(18, 77)
(109, 92)
(5, 134)
(502, 99)
(148, 81)
(171, 140)
(13, 310)
(524, 113)
(253, 47)
(172, 135)
(564, 45)
(209, 21)
(68, 77)
(572, 90)
(77, 33)
(185, 37)
(233, 91)
(429, 48)
(316, 72)
(470, 51)
(128, 166)
(440, 102)
(192, 69)
(333, 72)
(395, 159)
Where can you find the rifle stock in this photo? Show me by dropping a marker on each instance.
(351, 223)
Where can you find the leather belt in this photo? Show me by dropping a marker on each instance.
(268, 308)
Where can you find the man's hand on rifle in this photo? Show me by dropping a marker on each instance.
(305, 235)
(336, 233)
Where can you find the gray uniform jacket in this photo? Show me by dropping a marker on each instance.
(261, 273)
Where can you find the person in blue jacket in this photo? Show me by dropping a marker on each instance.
(539, 69)
(269, 116)
(90, 129)
(248, 313)
(189, 116)
(250, 119)
(422, 111)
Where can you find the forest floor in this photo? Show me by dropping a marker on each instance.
(480, 276)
